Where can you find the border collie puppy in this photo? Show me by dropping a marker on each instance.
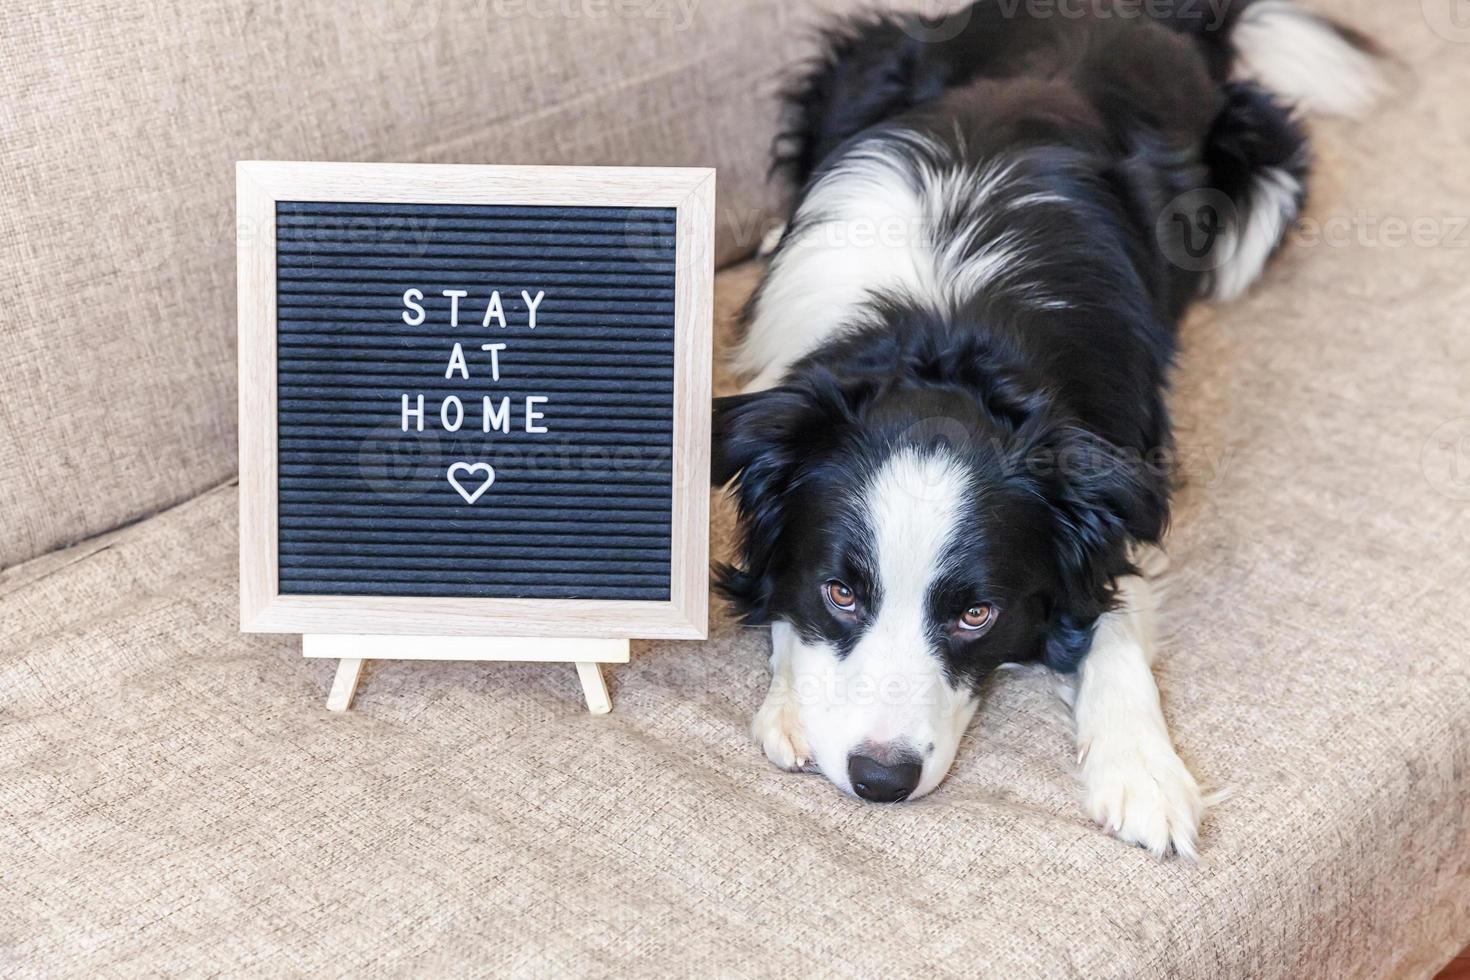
(954, 448)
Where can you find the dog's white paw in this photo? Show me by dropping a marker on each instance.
(777, 727)
(1143, 794)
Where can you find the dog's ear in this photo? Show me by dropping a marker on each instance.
(1102, 500)
(766, 429)
(731, 448)
(760, 442)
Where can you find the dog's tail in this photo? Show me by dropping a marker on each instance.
(1281, 61)
(1311, 62)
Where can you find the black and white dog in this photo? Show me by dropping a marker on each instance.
(954, 449)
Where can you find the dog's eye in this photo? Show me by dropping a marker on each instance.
(978, 617)
(840, 595)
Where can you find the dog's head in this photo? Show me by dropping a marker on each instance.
(913, 532)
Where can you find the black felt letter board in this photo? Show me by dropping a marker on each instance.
(550, 481)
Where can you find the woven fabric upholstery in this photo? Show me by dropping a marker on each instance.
(122, 123)
(174, 799)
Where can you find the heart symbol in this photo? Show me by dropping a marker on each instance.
(468, 468)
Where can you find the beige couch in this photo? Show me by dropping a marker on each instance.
(174, 798)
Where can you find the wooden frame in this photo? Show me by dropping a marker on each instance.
(690, 192)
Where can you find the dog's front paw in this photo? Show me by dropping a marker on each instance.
(777, 727)
(1143, 794)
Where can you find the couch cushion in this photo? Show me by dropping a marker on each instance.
(174, 797)
(122, 123)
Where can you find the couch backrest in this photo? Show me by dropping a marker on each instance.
(121, 126)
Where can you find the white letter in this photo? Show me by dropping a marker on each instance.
(410, 300)
(497, 418)
(413, 411)
(456, 360)
(495, 310)
(455, 295)
(532, 415)
(533, 303)
(458, 413)
(494, 350)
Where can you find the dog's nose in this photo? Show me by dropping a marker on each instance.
(873, 780)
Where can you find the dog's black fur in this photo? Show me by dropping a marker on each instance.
(1059, 412)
